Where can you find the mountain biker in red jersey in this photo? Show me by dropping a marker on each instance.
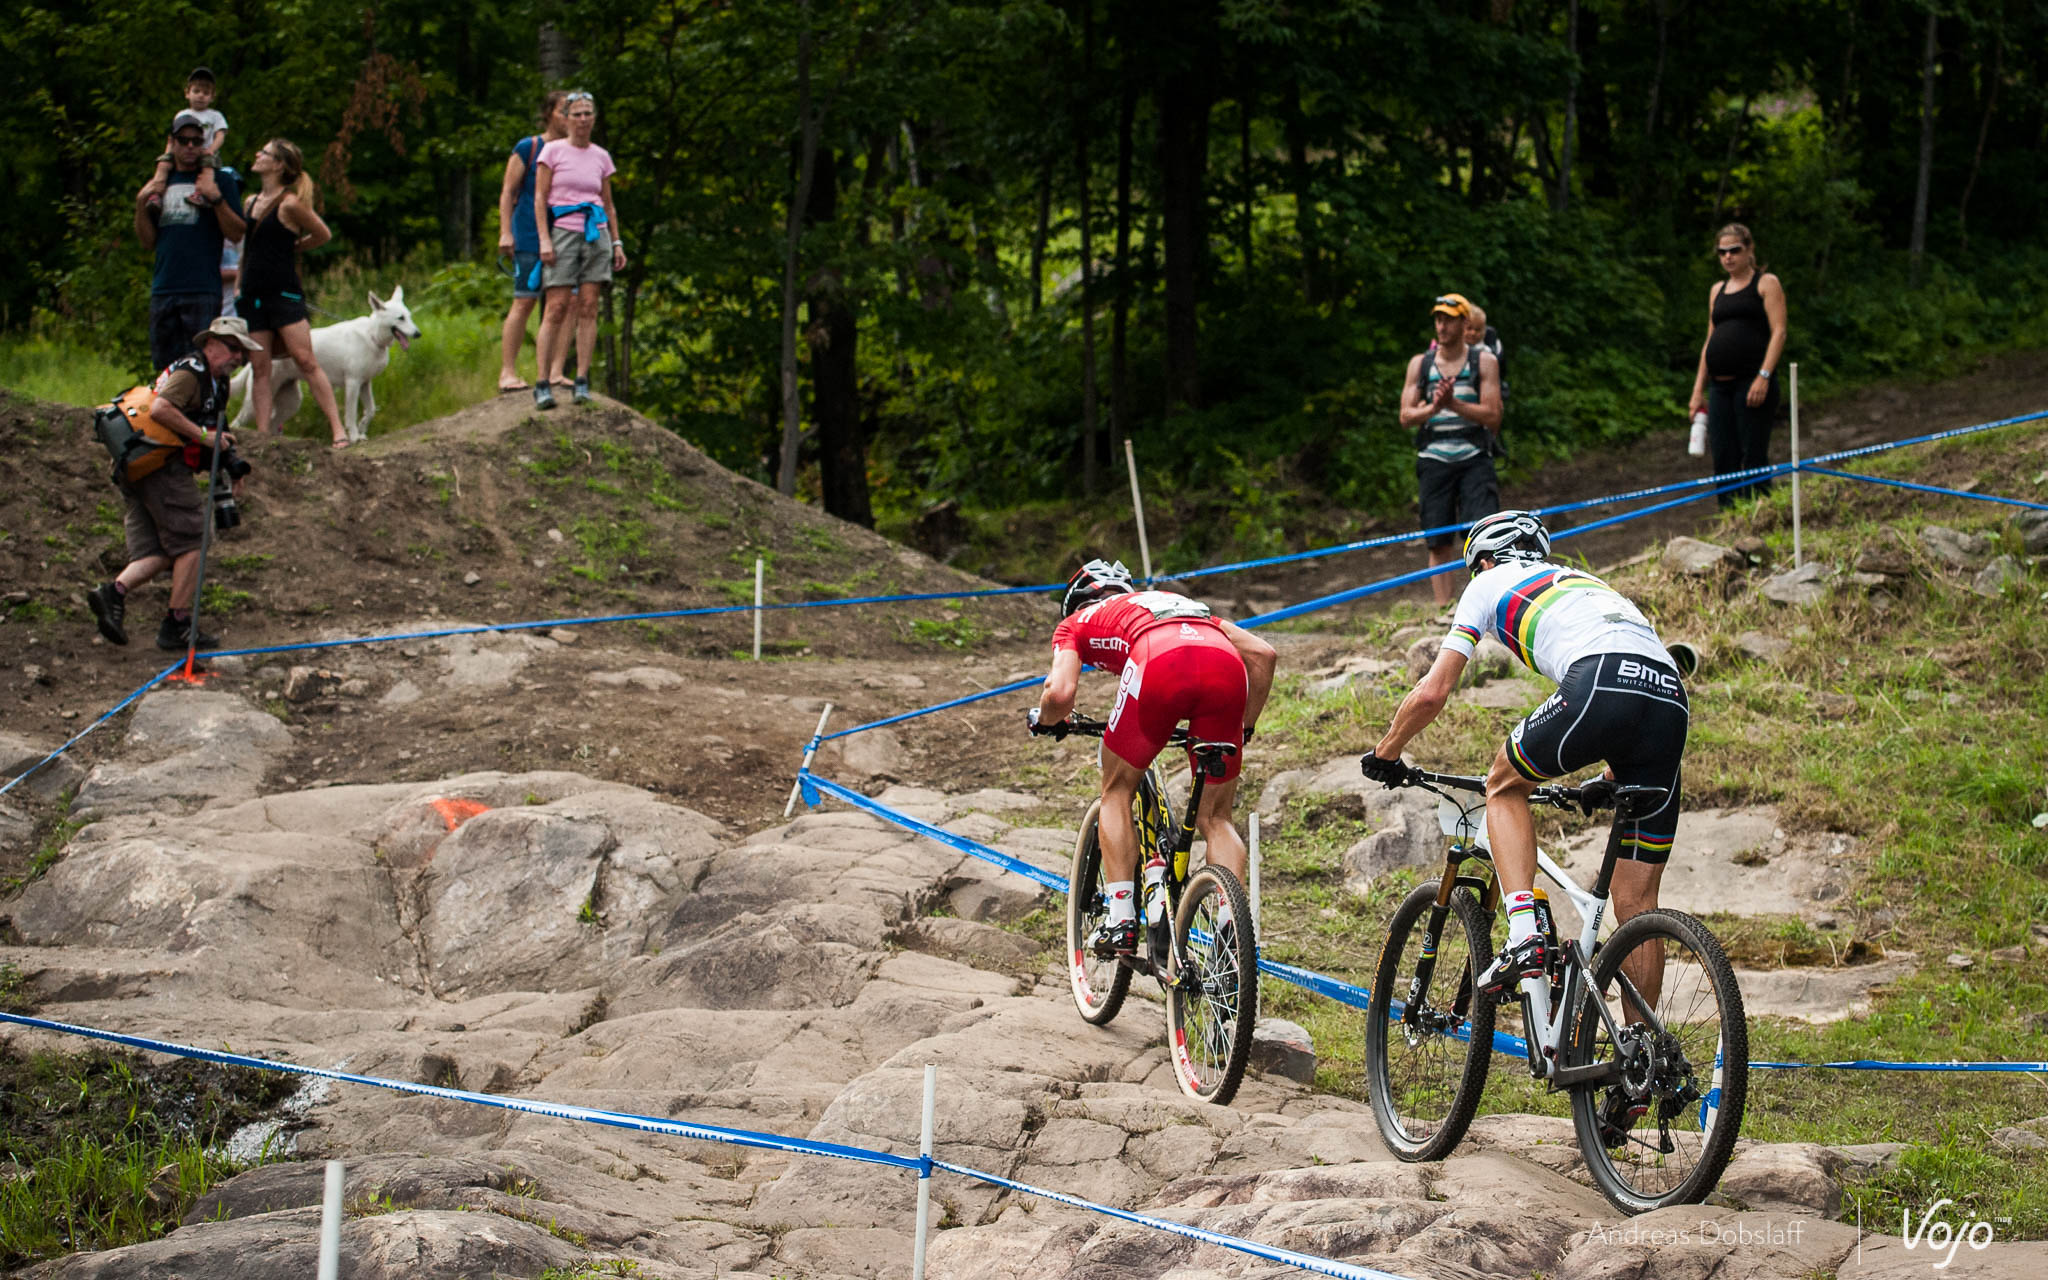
(1174, 661)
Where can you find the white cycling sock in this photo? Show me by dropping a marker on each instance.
(1521, 916)
(1123, 900)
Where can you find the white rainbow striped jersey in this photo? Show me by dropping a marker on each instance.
(1550, 616)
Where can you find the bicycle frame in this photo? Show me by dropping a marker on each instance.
(1544, 1026)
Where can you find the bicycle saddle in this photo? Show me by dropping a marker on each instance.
(1211, 755)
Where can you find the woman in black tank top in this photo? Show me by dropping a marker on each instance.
(1737, 385)
(282, 224)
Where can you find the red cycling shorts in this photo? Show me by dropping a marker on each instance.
(1178, 671)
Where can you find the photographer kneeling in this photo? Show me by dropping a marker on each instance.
(165, 519)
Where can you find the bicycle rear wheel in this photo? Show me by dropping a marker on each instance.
(1427, 1051)
(1662, 1133)
(1098, 986)
(1212, 1003)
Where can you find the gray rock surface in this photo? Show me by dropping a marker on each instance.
(1806, 585)
(2033, 527)
(1955, 549)
(185, 748)
(1998, 577)
(19, 754)
(1695, 558)
(1285, 1049)
(1764, 648)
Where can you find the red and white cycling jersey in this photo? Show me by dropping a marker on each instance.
(1104, 632)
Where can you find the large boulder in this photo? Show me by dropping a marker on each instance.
(1694, 558)
(1806, 585)
(1953, 548)
(184, 749)
(18, 755)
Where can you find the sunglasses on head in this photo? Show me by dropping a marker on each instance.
(1723, 250)
(580, 95)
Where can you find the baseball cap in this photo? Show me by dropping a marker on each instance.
(203, 74)
(1451, 304)
(191, 118)
(229, 329)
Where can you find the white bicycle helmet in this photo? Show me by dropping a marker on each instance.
(1094, 581)
(1506, 535)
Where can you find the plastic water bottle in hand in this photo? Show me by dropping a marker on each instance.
(1697, 446)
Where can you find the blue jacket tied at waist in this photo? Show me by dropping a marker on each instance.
(594, 216)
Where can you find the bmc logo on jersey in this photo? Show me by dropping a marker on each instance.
(1629, 669)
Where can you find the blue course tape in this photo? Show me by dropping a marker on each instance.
(529, 1106)
(1050, 879)
(1924, 488)
(1866, 1064)
(1013, 687)
(1307, 1262)
(152, 683)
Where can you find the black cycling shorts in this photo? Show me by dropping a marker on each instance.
(1627, 710)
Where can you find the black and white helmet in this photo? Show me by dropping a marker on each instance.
(1506, 535)
(1094, 581)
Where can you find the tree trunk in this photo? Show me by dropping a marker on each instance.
(1090, 465)
(834, 336)
(560, 59)
(1593, 139)
(1039, 230)
(1119, 326)
(458, 221)
(1918, 246)
(1562, 200)
(1183, 154)
(1657, 75)
(1983, 132)
(1728, 163)
(636, 277)
(1244, 177)
(1304, 196)
(807, 160)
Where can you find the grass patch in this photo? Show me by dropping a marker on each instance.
(608, 546)
(117, 1150)
(34, 611)
(217, 601)
(957, 633)
(47, 853)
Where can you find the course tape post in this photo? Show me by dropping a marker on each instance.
(921, 1165)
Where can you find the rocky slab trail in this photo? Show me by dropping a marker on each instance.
(549, 935)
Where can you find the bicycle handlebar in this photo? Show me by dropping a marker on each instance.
(1598, 793)
(1088, 728)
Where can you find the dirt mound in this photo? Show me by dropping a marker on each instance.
(495, 514)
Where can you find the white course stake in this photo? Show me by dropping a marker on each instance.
(330, 1224)
(1254, 886)
(924, 1176)
(1138, 507)
(757, 608)
(796, 788)
(1795, 466)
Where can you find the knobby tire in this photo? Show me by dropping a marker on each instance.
(1210, 1017)
(1701, 1008)
(1424, 1080)
(1098, 986)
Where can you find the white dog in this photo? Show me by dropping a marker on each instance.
(352, 353)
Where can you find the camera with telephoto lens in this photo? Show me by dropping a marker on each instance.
(226, 515)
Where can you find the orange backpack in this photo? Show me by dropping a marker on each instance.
(138, 443)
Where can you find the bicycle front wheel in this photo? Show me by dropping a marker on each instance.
(1098, 986)
(1428, 1034)
(1212, 996)
(1662, 1131)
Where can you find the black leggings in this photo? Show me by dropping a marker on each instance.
(1628, 710)
(1738, 436)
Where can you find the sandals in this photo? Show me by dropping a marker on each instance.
(339, 445)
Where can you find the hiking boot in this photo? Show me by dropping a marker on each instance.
(543, 395)
(1116, 941)
(1618, 1114)
(174, 636)
(1524, 959)
(581, 393)
(109, 607)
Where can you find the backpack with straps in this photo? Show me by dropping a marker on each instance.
(138, 443)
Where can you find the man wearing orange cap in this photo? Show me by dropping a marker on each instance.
(1451, 399)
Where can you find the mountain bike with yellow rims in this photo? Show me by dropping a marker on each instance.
(1196, 936)
(1644, 1029)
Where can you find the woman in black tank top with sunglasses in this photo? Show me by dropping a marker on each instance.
(1737, 382)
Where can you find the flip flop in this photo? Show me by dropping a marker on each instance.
(517, 386)
(339, 445)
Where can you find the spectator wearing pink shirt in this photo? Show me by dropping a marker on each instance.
(579, 247)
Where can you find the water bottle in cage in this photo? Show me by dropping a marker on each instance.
(1155, 890)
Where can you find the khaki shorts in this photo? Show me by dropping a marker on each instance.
(579, 261)
(165, 517)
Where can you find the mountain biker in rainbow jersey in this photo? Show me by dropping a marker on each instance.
(1174, 661)
(1619, 699)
